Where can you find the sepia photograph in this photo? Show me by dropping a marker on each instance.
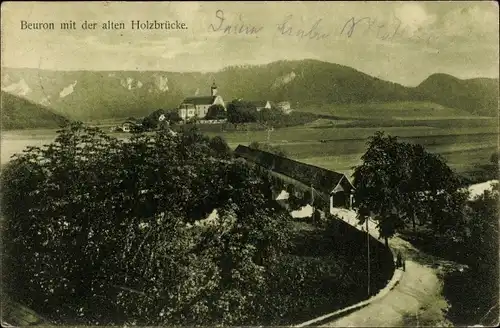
(258, 163)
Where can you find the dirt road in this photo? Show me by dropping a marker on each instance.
(417, 299)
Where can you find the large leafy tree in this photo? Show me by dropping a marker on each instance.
(398, 182)
(216, 112)
(239, 111)
(60, 200)
(268, 116)
(483, 225)
(172, 116)
(123, 218)
(150, 122)
(473, 293)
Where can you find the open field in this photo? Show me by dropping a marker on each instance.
(334, 144)
(397, 110)
(341, 148)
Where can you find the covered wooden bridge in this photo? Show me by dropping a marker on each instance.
(336, 186)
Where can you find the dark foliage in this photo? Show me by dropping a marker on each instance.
(149, 122)
(216, 112)
(152, 121)
(473, 291)
(241, 112)
(128, 223)
(401, 183)
(124, 216)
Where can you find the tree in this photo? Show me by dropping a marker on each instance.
(241, 112)
(270, 116)
(494, 158)
(220, 146)
(121, 217)
(172, 116)
(478, 248)
(398, 181)
(216, 112)
(149, 122)
(59, 180)
(483, 225)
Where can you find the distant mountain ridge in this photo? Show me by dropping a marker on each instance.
(19, 113)
(87, 95)
(477, 96)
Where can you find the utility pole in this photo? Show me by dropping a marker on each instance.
(269, 130)
(247, 131)
(314, 217)
(312, 195)
(368, 253)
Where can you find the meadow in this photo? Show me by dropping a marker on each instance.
(403, 110)
(338, 139)
(465, 148)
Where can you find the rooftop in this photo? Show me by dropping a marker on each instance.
(204, 100)
(322, 179)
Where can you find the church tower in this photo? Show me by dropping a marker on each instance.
(213, 90)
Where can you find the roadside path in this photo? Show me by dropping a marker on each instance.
(415, 301)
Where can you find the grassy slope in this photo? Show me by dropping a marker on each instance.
(464, 147)
(18, 113)
(399, 110)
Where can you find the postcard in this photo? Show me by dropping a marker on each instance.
(260, 163)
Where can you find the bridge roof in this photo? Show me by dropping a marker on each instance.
(320, 178)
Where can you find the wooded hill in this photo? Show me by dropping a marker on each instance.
(19, 113)
(105, 94)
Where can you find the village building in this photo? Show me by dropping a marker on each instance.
(129, 125)
(261, 104)
(334, 186)
(198, 106)
(284, 106)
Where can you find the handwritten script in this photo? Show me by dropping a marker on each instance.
(313, 32)
(316, 29)
(240, 27)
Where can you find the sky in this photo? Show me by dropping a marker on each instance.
(403, 42)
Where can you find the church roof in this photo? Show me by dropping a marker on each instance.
(204, 100)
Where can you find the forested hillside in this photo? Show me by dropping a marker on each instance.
(87, 95)
(19, 113)
(477, 96)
